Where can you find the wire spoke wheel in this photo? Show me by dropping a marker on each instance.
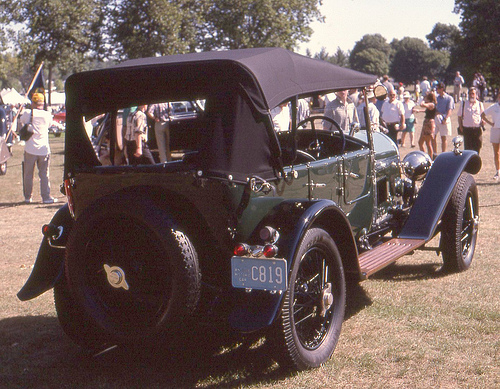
(311, 286)
(460, 225)
(314, 305)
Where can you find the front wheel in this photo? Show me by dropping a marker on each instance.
(313, 310)
(460, 225)
(3, 169)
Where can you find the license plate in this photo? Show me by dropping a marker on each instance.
(259, 273)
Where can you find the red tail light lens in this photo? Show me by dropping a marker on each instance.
(270, 251)
(241, 249)
(69, 195)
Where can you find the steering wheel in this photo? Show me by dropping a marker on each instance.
(315, 146)
(305, 155)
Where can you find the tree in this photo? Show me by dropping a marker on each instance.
(11, 69)
(236, 24)
(370, 61)
(444, 37)
(57, 32)
(413, 59)
(340, 58)
(480, 30)
(139, 28)
(371, 54)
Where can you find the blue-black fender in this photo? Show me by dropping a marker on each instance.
(49, 264)
(258, 309)
(436, 191)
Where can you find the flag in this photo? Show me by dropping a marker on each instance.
(37, 85)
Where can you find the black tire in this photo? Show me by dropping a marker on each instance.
(460, 225)
(131, 275)
(307, 331)
(76, 323)
(3, 169)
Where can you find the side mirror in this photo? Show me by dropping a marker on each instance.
(380, 92)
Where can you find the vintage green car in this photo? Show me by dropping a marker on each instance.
(247, 227)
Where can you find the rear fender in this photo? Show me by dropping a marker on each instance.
(436, 191)
(258, 309)
(49, 262)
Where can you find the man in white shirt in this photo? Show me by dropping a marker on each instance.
(281, 117)
(372, 110)
(470, 121)
(393, 114)
(37, 149)
(425, 86)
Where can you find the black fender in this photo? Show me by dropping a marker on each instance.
(436, 191)
(258, 309)
(49, 264)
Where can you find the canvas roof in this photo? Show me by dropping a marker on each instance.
(240, 87)
(277, 74)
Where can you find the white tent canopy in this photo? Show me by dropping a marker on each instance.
(56, 98)
(11, 96)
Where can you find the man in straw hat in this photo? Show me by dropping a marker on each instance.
(37, 149)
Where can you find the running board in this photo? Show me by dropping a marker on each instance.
(373, 260)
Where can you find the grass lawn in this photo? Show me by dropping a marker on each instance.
(407, 327)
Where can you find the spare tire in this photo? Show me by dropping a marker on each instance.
(131, 271)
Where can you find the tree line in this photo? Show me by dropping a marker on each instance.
(76, 35)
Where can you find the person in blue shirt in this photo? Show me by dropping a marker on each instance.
(444, 107)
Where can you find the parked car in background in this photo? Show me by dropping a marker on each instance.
(249, 228)
(60, 119)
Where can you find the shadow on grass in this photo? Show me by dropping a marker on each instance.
(54, 206)
(356, 299)
(14, 204)
(410, 272)
(36, 353)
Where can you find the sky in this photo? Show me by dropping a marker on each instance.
(347, 21)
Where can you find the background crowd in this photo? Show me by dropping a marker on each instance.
(396, 114)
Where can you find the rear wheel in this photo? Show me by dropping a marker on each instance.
(3, 169)
(314, 304)
(460, 225)
(131, 275)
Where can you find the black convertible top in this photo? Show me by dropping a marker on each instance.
(242, 86)
(277, 75)
(280, 73)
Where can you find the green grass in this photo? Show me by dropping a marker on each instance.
(407, 327)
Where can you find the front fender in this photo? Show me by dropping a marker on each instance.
(258, 309)
(49, 262)
(436, 191)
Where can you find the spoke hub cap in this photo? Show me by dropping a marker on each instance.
(327, 299)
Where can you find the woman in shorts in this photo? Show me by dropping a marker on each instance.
(429, 126)
(494, 111)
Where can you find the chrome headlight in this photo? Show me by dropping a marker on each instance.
(416, 165)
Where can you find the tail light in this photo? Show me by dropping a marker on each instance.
(270, 250)
(241, 249)
(68, 189)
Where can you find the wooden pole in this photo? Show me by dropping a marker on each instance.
(25, 97)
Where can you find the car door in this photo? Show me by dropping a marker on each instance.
(358, 197)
